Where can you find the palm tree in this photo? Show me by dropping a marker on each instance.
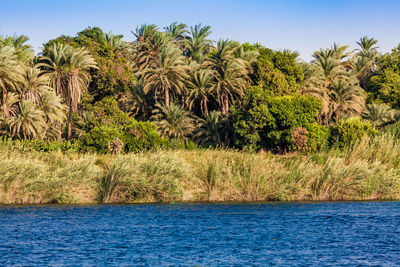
(28, 123)
(170, 73)
(24, 52)
(380, 115)
(145, 32)
(10, 75)
(52, 106)
(364, 62)
(147, 53)
(10, 107)
(198, 46)
(173, 122)
(346, 97)
(231, 74)
(33, 84)
(135, 101)
(367, 45)
(178, 32)
(114, 40)
(334, 85)
(200, 89)
(211, 129)
(67, 69)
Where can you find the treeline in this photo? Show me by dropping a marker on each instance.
(175, 87)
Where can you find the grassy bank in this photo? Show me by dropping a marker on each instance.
(367, 170)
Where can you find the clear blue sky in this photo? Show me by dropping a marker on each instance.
(297, 25)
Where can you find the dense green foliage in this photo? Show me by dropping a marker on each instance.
(347, 131)
(266, 121)
(176, 88)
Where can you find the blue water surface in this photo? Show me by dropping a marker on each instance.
(289, 234)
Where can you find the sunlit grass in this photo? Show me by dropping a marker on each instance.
(367, 170)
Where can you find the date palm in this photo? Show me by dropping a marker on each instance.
(380, 115)
(200, 89)
(33, 84)
(178, 32)
(173, 122)
(136, 102)
(334, 85)
(144, 32)
(28, 123)
(67, 69)
(367, 46)
(198, 46)
(23, 51)
(211, 130)
(52, 106)
(10, 107)
(170, 73)
(230, 72)
(114, 40)
(10, 75)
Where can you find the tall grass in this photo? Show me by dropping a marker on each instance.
(366, 170)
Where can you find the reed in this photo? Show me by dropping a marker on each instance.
(366, 170)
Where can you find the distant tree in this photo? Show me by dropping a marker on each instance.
(67, 69)
(10, 75)
(169, 75)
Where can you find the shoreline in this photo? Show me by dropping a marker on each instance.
(311, 202)
(366, 171)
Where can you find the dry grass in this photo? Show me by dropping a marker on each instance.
(368, 170)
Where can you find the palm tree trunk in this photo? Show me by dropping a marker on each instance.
(166, 92)
(205, 107)
(3, 103)
(225, 104)
(183, 101)
(69, 129)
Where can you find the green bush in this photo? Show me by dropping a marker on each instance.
(349, 130)
(393, 129)
(97, 139)
(142, 136)
(318, 137)
(183, 144)
(266, 121)
(39, 145)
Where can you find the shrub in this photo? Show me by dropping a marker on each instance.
(318, 137)
(266, 121)
(349, 130)
(97, 139)
(142, 136)
(393, 129)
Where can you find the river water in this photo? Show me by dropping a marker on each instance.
(289, 234)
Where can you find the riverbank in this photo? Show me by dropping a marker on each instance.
(368, 170)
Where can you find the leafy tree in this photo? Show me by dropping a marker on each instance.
(265, 121)
(277, 71)
(352, 129)
(115, 72)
